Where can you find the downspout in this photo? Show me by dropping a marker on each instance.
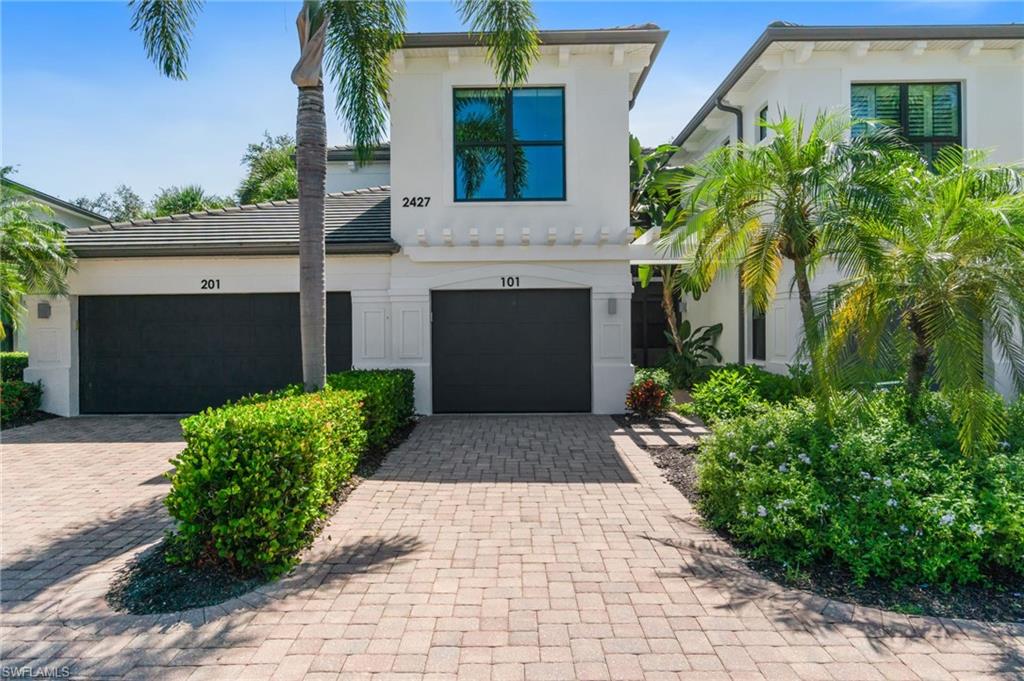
(741, 329)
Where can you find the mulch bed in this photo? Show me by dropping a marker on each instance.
(148, 585)
(1000, 601)
(28, 420)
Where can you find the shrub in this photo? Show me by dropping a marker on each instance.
(254, 479)
(389, 404)
(647, 399)
(12, 365)
(19, 400)
(870, 492)
(726, 394)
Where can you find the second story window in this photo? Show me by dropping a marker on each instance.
(509, 144)
(927, 114)
(762, 118)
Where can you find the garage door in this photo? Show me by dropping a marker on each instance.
(183, 353)
(511, 351)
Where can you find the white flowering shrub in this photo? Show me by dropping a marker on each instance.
(871, 492)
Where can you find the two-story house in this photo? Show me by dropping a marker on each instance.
(496, 265)
(943, 84)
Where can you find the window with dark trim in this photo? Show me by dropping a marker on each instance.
(762, 118)
(929, 115)
(758, 335)
(509, 144)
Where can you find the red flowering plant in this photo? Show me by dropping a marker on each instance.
(651, 393)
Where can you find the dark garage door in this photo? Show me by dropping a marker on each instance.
(182, 353)
(511, 351)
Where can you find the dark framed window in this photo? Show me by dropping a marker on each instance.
(758, 335)
(762, 118)
(509, 144)
(929, 115)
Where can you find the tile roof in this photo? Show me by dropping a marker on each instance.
(357, 221)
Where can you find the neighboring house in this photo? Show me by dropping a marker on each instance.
(945, 84)
(496, 266)
(64, 213)
(344, 174)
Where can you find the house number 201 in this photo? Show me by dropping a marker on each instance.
(510, 282)
(209, 284)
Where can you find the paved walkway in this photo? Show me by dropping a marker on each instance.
(485, 548)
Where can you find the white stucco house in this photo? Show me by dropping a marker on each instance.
(496, 265)
(945, 84)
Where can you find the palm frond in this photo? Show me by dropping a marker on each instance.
(166, 27)
(509, 30)
(361, 35)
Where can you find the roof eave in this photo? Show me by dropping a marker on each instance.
(229, 249)
(777, 33)
(61, 203)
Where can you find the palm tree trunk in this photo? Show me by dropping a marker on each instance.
(803, 288)
(668, 305)
(919, 358)
(311, 168)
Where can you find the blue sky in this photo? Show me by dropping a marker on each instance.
(83, 110)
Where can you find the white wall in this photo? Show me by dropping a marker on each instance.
(993, 102)
(596, 148)
(345, 175)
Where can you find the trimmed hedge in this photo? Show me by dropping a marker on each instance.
(389, 403)
(12, 365)
(733, 390)
(254, 479)
(19, 400)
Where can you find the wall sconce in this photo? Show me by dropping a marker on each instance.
(612, 306)
(43, 310)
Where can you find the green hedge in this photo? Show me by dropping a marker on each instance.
(254, 479)
(12, 365)
(389, 399)
(19, 400)
(733, 390)
(868, 492)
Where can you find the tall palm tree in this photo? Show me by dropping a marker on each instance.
(354, 40)
(33, 255)
(757, 206)
(951, 278)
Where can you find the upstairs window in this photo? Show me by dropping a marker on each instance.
(762, 118)
(928, 115)
(509, 144)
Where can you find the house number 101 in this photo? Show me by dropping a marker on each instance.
(510, 282)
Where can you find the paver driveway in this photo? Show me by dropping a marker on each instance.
(486, 547)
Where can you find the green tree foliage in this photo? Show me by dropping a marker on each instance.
(950, 280)
(270, 170)
(121, 205)
(186, 199)
(757, 206)
(33, 255)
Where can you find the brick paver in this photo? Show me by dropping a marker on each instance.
(519, 547)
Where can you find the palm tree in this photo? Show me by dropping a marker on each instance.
(354, 40)
(185, 199)
(756, 206)
(270, 171)
(951, 278)
(33, 255)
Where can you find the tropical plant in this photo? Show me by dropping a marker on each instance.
(186, 199)
(950, 280)
(354, 41)
(691, 362)
(120, 206)
(33, 255)
(270, 170)
(653, 204)
(756, 206)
